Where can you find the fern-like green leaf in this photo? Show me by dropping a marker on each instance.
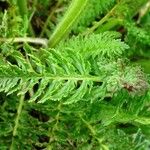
(69, 72)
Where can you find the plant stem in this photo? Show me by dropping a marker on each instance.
(97, 24)
(49, 17)
(111, 23)
(93, 133)
(143, 11)
(31, 30)
(41, 41)
(75, 9)
(23, 9)
(21, 102)
(57, 77)
(55, 127)
(22, 4)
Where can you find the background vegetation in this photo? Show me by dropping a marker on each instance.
(74, 75)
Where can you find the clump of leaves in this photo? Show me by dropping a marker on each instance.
(77, 89)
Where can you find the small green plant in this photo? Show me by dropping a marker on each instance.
(75, 75)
